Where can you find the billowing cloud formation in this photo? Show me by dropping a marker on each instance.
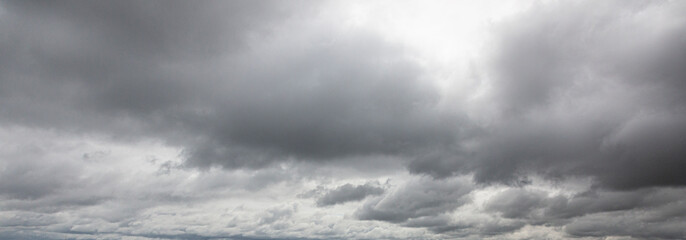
(325, 95)
(417, 199)
(214, 119)
(573, 92)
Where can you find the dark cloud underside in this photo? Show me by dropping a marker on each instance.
(583, 93)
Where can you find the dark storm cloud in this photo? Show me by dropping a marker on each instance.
(144, 28)
(349, 193)
(104, 64)
(570, 98)
(582, 89)
(222, 80)
(324, 101)
(418, 198)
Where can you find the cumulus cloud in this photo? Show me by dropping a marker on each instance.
(349, 193)
(418, 198)
(515, 203)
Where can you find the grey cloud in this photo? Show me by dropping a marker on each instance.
(672, 210)
(580, 89)
(326, 102)
(54, 203)
(525, 204)
(349, 193)
(515, 203)
(431, 207)
(626, 225)
(479, 228)
(26, 219)
(418, 198)
(28, 173)
(594, 202)
(498, 228)
(105, 65)
(47, 178)
(459, 228)
(151, 70)
(432, 222)
(647, 149)
(145, 28)
(276, 214)
(19, 235)
(593, 213)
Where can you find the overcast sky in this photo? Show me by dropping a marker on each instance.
(343, 119)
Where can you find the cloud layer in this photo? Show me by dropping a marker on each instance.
(342, 120)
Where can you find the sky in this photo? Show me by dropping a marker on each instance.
(345, 119)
